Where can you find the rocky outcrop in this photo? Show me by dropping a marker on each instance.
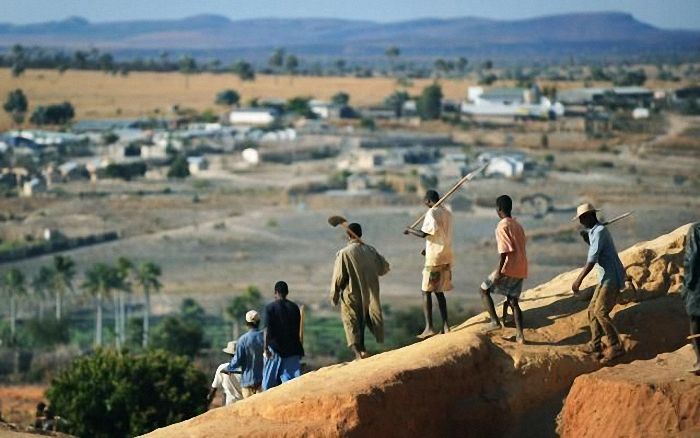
(656, 397)
(468, 383)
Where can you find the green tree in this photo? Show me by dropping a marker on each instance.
(63, 273)
(276, 60)
(461, 65)
(18, 59)
(41, 287)
(124, 270)
(182, 334)
(341, 98)
(14, 287)
(228, 97)
(251, 299)
(100, 280)
(16, 106)
(56, 114)
(179, 168)
(291, 64)
(109, 138)
(430, 102)
(187, 66)
(392, 53)
(300, 105)
(244, 70)
(396, 101)
(121, 395)
(147, 275)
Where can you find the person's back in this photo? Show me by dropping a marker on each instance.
(282, 319)
(438, 227)
(249, 356)
(603, 252)
(367, 262)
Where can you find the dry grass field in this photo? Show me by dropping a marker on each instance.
(100, 95)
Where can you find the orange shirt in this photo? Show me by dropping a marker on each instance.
(510, 239)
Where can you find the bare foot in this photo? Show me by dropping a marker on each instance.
(428, 332)
(445, 329)
(493, 326)
(520, 339)
(364, 355)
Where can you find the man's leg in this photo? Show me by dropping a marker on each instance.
(595, 345)
(487, 301)
(442, 304)
(607, 299)
(428, 314)
(605, 304)
(291, 368)
(518, 315)
(695, 330)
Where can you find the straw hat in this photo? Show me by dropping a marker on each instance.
(583, 209)
(252, 316)
(230, 348)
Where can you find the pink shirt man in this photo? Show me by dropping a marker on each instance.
(510, 239)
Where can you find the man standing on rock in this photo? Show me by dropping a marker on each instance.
(283, 349)
(355, 286)
(437, 272)
(508, 277)
(612, 278)
(691, 289)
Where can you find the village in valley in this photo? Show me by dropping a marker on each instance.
(196, 207)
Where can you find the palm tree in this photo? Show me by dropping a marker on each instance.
(62, 281)
(100, 280)
(147, 277)
(41, 285)
(13, 286)
(124, 269)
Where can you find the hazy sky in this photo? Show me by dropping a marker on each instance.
(661, 13)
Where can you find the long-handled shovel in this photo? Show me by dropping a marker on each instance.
(334, 221)
(584, 233)
(449, 193)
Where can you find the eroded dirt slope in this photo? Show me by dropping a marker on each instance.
(656, 397)
(468, 383)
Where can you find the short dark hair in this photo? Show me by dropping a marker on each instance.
(432, 195)
(504, 203)
(282, 288)
(356, 228)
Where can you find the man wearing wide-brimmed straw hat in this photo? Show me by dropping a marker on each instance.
(228, 382)
(612, 278)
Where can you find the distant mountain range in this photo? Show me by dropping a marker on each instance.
(581, 34)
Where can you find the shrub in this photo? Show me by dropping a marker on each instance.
(179, 168)
(117, 395)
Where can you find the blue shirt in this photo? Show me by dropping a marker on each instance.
(249, 358)
(602, 251)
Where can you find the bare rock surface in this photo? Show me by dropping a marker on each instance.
(656, 397)
(468, 383)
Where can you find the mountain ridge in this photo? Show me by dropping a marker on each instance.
(596, 33)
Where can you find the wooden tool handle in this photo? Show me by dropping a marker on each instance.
(454, 188)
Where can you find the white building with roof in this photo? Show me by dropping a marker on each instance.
(253, 116)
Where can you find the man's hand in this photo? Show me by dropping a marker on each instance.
(267, 353)
(576, 286)
(406, 231)
(497, 277)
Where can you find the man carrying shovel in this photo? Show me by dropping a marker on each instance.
(355, 286)
(612, 278)
(437, 273)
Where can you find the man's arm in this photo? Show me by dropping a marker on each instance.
(210, 396)
(584, 272)
(238, 360)
(339, 281)
(414, 232)
(501, 262)
(266, 342)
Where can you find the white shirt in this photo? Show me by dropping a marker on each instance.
(229, 383)
(438, 244)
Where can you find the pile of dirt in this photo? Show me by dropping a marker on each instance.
(656, 397)
(468, 382)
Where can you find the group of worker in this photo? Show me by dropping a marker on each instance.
(355, 288)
